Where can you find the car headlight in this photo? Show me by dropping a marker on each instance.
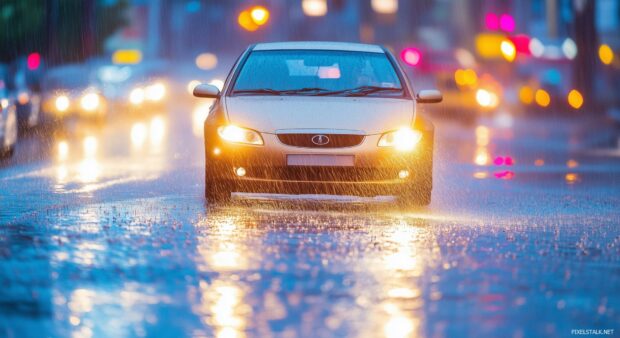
(236, 134)
(62, 103)
(136, 96)
(90, 101)
(486, 98)
(403, 139)
(155, 92)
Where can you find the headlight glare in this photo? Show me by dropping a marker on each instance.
(155, 92)
(62, 103)
(236, 134)
(90, 101)
(403, 139)
(136, 96)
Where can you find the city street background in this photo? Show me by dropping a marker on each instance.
(105, 232)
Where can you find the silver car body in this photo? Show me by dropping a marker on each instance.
(274, 117)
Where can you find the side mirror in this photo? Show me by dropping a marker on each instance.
(206, 90)
(429, 96)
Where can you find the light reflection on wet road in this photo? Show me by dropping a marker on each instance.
(104, 232)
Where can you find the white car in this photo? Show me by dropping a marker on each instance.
(318, 118)
(8, 116)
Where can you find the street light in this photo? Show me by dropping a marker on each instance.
(384, 6)
(260, 15)
(253, 18)
(314, 7)
(246, 22)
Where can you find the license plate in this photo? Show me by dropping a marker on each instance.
(321, 160)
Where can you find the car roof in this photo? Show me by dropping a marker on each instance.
(320, 45)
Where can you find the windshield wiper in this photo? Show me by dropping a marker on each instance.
(315, 91)
(366, 90)
(308, 90)
(258, 91)
(268, 91)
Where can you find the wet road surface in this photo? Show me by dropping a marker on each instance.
(104, 232)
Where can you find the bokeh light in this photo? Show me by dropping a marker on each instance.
(466, 77)
(206, 61)
(260, 15)
(569, 48)
(246, 22)
(411, 56)
(606, 54)
(487, 98)
(536, 47)
(508, 50)
(526, 95)
(33, 61)
(491, 21)
(575, 99)
(314, 7)
(542, 98)
(384, 6)
(507, 23)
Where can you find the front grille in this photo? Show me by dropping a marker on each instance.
(321, 140)
(328, 174)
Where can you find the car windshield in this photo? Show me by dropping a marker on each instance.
(67, 78)
(320, 73)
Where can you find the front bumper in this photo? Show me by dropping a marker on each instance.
(375, 171)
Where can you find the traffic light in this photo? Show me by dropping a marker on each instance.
(33, 61)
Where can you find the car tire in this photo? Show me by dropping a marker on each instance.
(419, 190)
(216, 191)
(417, 194)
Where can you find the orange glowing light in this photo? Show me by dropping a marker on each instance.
(488, 45)
(246, 22)
(539, 162)
(571, 178)
(459, 77)
(606, 54)
(466, 77)
(127, 57)
(572, 163)
(481, 175)
(575, 99)
(526, 95)
(471, 78)
(260, 15)
(542, 98)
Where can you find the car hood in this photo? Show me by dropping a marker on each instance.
(269, 114)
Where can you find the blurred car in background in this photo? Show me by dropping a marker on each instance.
(455, 73)
(68, 91)
(138, 87)
(27, 82)
(8, 114)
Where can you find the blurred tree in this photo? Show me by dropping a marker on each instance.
(61, 30)
(21, 24)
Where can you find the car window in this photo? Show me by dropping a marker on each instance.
(328, 70)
